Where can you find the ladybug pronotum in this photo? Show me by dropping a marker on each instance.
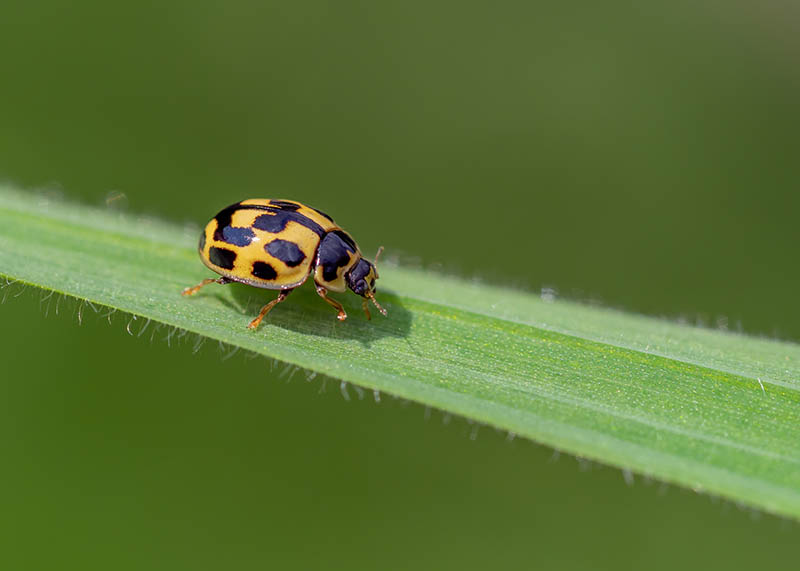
(277, 244)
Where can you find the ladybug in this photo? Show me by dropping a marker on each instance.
(277, 244)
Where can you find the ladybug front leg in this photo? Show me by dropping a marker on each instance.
(265, 310)
(323, 293)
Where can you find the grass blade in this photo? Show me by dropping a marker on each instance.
(705, 409)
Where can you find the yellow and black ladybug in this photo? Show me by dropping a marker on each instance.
(277, 244)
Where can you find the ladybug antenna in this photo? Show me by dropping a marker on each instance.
(378, 255)
(375, 301)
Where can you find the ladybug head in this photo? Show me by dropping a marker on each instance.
(361, 279)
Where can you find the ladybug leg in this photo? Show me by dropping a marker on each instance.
(194, 289)
(366, 308)
(323, 293)
(265, 310)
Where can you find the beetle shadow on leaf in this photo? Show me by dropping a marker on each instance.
(305, 312)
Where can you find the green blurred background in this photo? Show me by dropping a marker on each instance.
(640, 156)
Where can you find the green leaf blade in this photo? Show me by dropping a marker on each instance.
(705, 409)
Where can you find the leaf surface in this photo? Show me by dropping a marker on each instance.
(705, 409)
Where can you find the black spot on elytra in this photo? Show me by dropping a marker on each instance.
(335, 251)
(287, 252)
(280, 215)
(222, 257)
(284, 205)
(223, 219)
(273, 223)
(277, 221)
(237, 236)
(264, 271)
(201, 246)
